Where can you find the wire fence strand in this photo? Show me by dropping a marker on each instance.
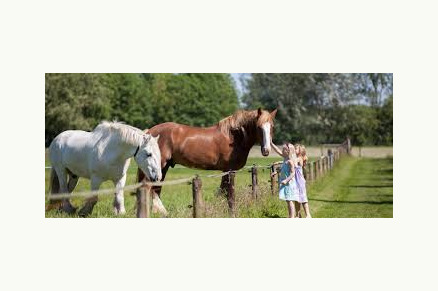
(56, 196)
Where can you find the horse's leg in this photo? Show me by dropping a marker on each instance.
(157, 205)
(71, 185)
(91, 201)
(63, 187)
(119, 201)
(224, 185)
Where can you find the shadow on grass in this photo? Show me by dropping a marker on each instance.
(370, 186)
(354, 202)
(270, 215)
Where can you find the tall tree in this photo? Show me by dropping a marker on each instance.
(74, 101)
(315, 108)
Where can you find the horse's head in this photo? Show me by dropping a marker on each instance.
(265, 127)
(148, 157)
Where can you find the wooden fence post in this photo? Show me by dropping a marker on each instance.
(321, 172)
(324, 164)
(273, 179)
(144, 201)
(254, 181)
(315, 170)
(231, 176)
(348, 146)
(321, 166)
(311, 171)
(198, 203)
(306, 173)
(330, 156)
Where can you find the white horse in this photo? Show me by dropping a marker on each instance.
(101, 155)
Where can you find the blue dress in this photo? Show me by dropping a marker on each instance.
(288, 192)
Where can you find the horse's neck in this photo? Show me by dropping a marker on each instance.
(250, 136)
(117, 150)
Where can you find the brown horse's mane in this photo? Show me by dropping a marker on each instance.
(243, 118)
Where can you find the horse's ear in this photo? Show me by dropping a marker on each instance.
(259, 112)
(274, 113)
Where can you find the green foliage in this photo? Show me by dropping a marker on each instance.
(319, 108)
(74, 101)
(385, 128)
(81, 101)
(313, 108)
(130, 99)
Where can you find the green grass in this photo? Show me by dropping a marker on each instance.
(355, 188)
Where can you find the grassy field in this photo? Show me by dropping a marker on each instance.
(357, 187)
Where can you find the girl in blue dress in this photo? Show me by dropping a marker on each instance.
(287, 184)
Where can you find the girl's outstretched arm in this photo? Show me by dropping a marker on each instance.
(276, 149)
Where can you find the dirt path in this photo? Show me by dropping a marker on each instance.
(366, 152)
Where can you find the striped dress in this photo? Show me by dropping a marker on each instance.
(301, 184)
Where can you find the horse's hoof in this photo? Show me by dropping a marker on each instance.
(69, 209)
(53, 206)
(84, 212)
(119, 212)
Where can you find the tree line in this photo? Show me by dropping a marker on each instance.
(81, 101)
(326, 108)
(313, 108)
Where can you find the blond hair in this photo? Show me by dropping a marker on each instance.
(302, 153)
(292, 154)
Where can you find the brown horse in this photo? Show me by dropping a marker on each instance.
(224, 146)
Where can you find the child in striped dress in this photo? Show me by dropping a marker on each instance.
(301, 161)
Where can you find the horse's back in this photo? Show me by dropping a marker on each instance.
(71, 139)
(191, 146)
(70, 149)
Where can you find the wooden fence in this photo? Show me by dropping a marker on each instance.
(312, 171)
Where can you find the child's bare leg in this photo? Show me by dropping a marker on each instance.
(291, 209)
(307, 210)
(297, 209)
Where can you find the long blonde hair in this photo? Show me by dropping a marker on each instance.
(302, 153)
(292, 154)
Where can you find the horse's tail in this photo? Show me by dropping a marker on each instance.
(53, 189)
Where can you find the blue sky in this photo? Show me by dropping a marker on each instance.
(236, 77)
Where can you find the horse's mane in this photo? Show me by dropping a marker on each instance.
(243, 118)
(126, 133)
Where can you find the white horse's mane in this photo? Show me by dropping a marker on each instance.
(126, 133)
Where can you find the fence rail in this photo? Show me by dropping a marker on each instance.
(312, 171)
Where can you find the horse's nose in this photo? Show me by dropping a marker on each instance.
(265, 151)
(157, 176)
